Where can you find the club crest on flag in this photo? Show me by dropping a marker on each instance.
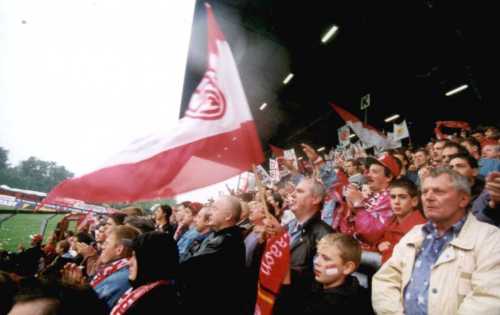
(208, 101)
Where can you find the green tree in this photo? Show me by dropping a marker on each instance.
(4, 157)
(32, 174)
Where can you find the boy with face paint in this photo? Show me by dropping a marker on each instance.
(336, 291)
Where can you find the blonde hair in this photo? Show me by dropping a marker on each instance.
(349, 248)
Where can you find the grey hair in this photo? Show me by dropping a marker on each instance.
(317, 187)
(458, 181)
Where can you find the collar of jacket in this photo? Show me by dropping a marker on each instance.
(348, 288)
(464, 240)
(229, 230)
(315, 218)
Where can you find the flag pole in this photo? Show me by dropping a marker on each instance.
(238, 184)
(260, 189)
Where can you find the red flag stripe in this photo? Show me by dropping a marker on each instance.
(346, 116)
(126, 182)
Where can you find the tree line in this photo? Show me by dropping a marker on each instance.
(31, 174)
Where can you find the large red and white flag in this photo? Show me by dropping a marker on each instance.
(215, 140)
(366, 133)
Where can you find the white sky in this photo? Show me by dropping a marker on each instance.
(81, 79)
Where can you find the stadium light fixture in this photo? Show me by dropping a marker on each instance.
(457, 90)
(391, 118)
(288, 78)
(329, 34)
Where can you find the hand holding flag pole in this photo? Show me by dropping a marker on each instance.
(272, 225)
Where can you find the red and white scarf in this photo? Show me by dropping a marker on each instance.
(131, 296)
(108, 270)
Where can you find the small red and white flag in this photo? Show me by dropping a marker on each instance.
(344, 133)
(277, 151)
(366, 133)
(215, 140)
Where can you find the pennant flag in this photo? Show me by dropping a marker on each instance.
(291, 156)
(400, 131)
(247, 182)
(274, 169)
(283, 169)
(263, 175)
(274, 266)
(344, 133)
(277, 152)
(215, 140)
(366, 133)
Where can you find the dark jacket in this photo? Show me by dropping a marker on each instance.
(477, 188)
(482, 210)
(212, 277)
(53, 271)
(28, 261)
(303, 251)
(167, 228)
(349, 298)
(157, 259)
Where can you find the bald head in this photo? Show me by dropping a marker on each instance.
(233, 207)
(225, 212)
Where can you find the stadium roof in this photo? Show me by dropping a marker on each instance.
(24, 191)
(406, 55)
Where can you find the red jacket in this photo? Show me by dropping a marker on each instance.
(395, 230)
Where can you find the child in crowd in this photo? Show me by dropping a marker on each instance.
(404, 202)
(336, 290)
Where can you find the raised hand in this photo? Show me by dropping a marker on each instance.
(492, 185)
(311, 154)
(72, 274)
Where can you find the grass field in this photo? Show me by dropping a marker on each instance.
(18, 229)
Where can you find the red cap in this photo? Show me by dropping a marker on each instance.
(387, 161)
(36, 238)
(488, 141)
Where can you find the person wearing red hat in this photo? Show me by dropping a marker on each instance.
(369, 215)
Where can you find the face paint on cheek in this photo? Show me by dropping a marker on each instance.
(333, 271)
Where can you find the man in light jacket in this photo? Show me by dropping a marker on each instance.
(450, 265)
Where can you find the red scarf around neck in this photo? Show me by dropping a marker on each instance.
(107, 271)
(131, 296)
